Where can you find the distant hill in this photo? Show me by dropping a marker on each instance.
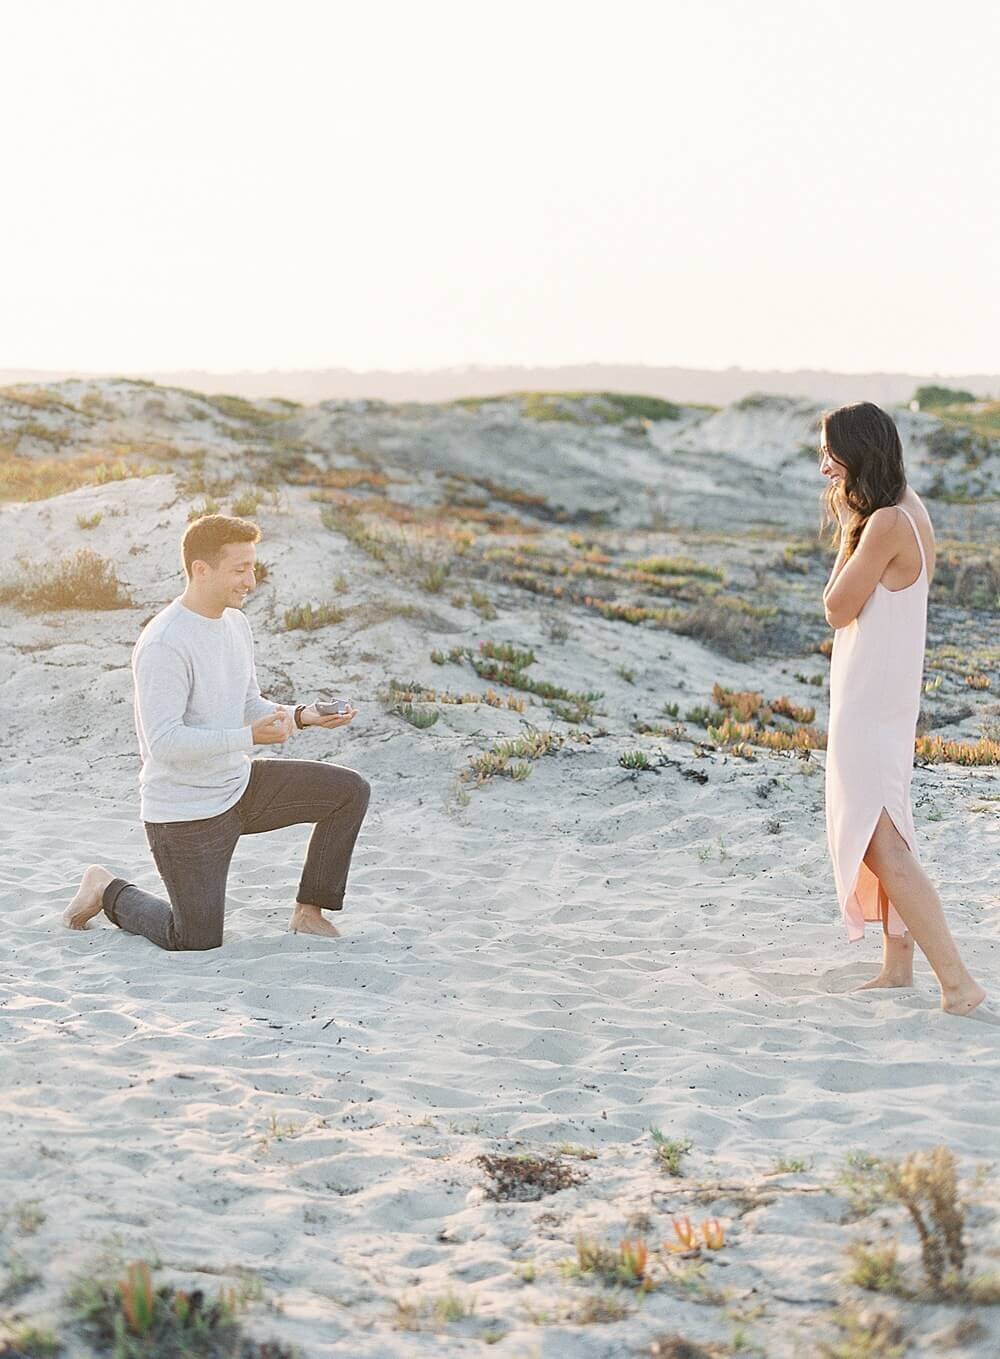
(688, 385)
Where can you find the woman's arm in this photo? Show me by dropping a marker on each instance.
(853, 582)
(844, 515)
(838, 565)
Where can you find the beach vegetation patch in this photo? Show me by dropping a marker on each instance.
(634, 759)
(676, 566)
(431, 1313)
(247, 503)
(968, 580)
(925, 1184)
(25, 1341)
(483, 605)
(17, 1277)
(626, 1267)
(601, 1308)
(308, 618)
(864, 1336)
(729, 625)
(526, 1178)
(417, 717)
(935, 750)
(677, 1346)
(23, 478)
(581, 408)
(578, 1152)
(83, 581)
(532, 745)
(132, 1317)
(669, 1152)
(208, 506)
(28, 1216)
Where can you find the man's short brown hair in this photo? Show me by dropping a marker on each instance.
(207, 536)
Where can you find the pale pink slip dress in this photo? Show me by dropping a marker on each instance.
(876, 675)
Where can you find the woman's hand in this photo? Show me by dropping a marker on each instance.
(841, 508)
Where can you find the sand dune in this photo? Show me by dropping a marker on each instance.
(570, 959)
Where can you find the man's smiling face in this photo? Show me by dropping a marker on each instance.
(232, 578)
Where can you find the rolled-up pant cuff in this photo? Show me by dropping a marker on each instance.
(326, 901)
(114, 887)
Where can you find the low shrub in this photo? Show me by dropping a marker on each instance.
(309, 618)
(83, 581)
(527, 1178)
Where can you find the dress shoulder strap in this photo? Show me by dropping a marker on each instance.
(920, 541)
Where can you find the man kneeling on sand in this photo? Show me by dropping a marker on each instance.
(198, 715)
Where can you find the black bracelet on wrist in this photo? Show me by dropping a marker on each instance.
(298, 716)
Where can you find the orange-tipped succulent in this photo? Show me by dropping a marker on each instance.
(686, 1233)
(713, 1233)
(634, 1256)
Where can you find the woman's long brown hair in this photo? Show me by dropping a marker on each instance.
(866, 441)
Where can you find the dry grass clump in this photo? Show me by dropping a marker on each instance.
(25, 1341)
(625, 1267)
(36, 398)
(618, 612)
(527, 1178)
(135, 1319)
(669, 1151)
(676, 1346)
(246, 504)
(309, 618)
(301, 472)
(969, 581)
(926, 1185)
(506, 494)
(83, 581)
(728, 625)
(23, 478)
(431, 1313)
(242, 410)
(677, 566)
(865, 1336)
(422, 549)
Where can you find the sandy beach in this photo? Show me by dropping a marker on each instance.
(548, 965)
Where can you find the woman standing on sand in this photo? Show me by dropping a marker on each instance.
(876, 599)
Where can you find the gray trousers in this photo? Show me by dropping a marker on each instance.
(193, 857)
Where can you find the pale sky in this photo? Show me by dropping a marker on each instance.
(230, 184)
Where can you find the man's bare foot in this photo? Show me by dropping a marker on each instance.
(886, 979)
(311, 920)
(963, 1002)
(89, 898)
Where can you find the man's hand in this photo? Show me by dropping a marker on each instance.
(311, 718)
(273, 730)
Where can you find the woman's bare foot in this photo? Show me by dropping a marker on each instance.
(886, 979)
(311, 920)
(89, 898)
(963, 1002)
